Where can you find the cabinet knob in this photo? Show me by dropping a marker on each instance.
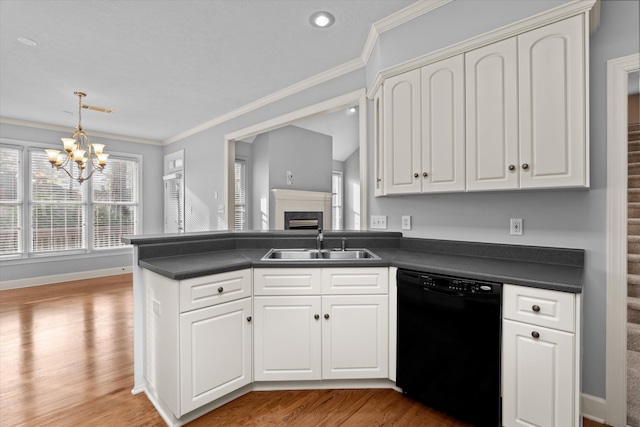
(249, 319)
(535, 334)
(535, 308)
(326, 316)
(525, 166)
(317, 316)
(424, 174)
(220, 289)
(512, 167)
(415, 175)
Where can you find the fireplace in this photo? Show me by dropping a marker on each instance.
(302, 220)
(304, 209)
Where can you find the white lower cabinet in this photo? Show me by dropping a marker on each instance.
(313, 337)
(540, 367)
(215, 352)
(198, 338)
(287, 338)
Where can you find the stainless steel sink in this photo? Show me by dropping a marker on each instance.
(314, 254)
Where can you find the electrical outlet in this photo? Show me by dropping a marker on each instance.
(516, 227)
(379, 222)
(156, 307)
(406, 222)
(220, 209)
(289, 178)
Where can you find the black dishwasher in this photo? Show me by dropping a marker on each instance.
(449, 345)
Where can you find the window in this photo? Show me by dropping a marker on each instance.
(114, 203)
(58, 209)
(10, 201)
(336, 200)
(241, 195)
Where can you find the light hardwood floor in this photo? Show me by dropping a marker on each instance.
(66, 359)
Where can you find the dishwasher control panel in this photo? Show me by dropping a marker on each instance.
(457, 284)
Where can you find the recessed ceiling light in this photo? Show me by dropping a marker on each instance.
(322, 19)
(27, 41)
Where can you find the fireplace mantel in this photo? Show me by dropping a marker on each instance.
(301, 201)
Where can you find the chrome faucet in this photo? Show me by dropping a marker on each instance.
(344, 243)
(319, 240)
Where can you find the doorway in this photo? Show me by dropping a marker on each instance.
(618, 71)
(356, 98)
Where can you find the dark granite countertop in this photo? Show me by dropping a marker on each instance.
(547, 268)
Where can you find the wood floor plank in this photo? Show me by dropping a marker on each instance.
(66, 359)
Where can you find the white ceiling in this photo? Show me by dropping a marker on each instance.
(167, 66)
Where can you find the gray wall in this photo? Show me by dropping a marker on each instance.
(260, 179)
(152, 207)
(351, 183)
(307, 154)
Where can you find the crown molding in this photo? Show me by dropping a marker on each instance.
(57, 128)
(404, 15)
(408, 13)
(559, 13)
(276, 96)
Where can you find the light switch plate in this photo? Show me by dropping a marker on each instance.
(406, 222)
(379, 222)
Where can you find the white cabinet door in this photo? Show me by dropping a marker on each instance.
(537, 376)
(492, 116)
(215, 352)
(378, 146)
(443, 105)
(401, 115)
(287, 338)
(552, 105)
(355, 335)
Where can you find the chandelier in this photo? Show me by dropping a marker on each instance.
(75, 149)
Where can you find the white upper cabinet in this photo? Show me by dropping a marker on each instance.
(443, 158)
(507, 115)
(553, 141)
(492, 116)
(401, 131)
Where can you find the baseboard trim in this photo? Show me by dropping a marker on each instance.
(68, 277)
(594, 408)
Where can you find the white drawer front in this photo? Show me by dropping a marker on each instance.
(286, 281)
(351, 281)
(543, 307)
(214, 289)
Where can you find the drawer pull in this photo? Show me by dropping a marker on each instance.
(535, 308)
(220, 289)
(535, 334)
(326, 316)
(249, 319)
(317, 316)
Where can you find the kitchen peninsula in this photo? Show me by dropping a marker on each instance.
(199, 297)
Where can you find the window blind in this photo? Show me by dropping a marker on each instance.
(58, 205)
(240, 195)
(10, 201)
(336, 200)
(115, 201)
